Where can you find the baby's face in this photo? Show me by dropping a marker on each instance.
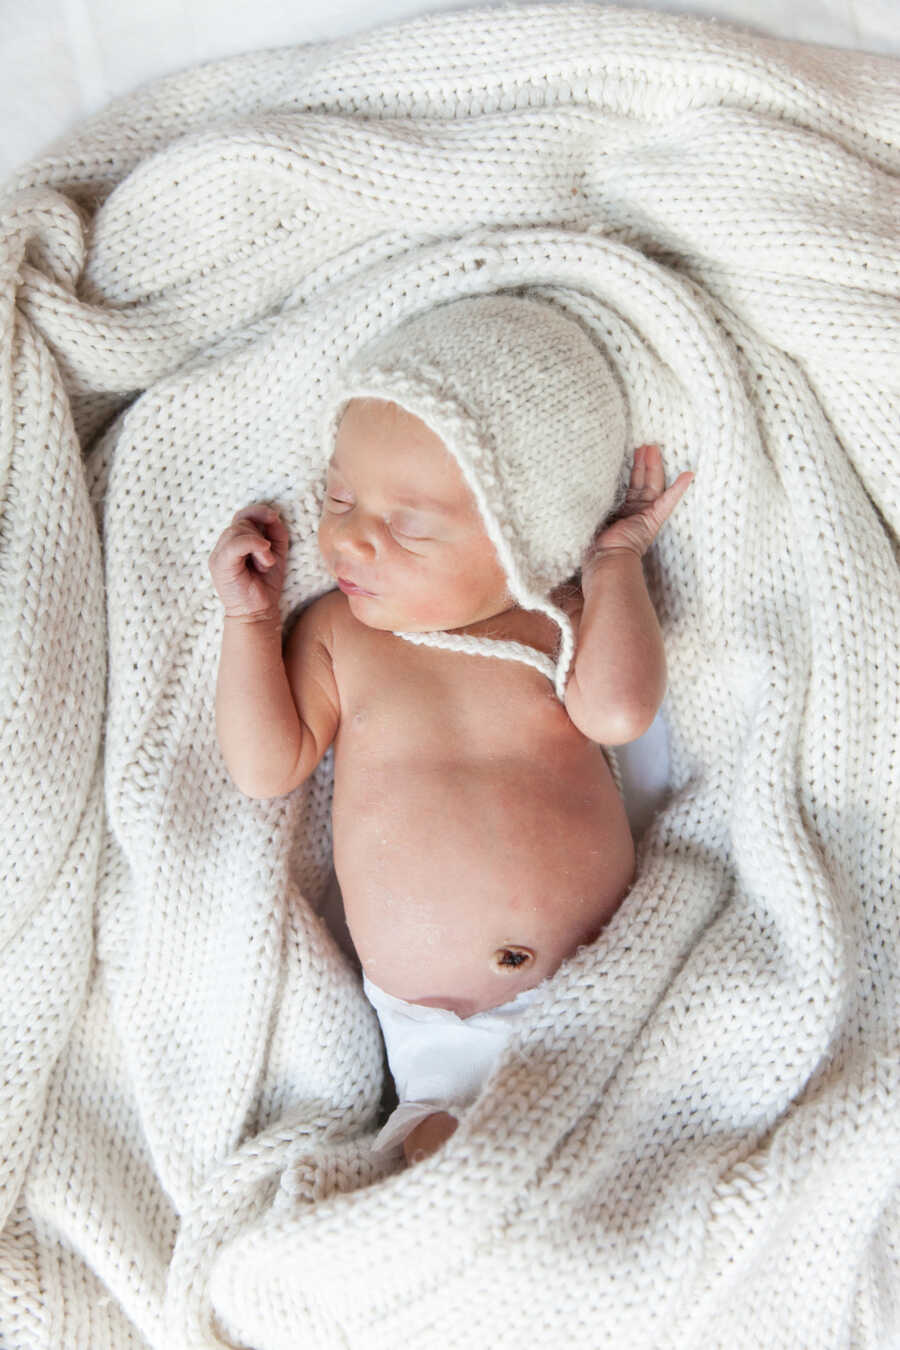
(400, 524)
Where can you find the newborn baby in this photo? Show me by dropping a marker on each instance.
(479, 836)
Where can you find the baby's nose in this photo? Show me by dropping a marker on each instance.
(355, 540)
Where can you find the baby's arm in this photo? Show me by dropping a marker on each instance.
(619, 675)
(270, 741)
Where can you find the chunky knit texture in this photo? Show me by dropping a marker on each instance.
(694, 1141)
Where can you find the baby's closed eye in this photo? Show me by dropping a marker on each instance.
(411, 527)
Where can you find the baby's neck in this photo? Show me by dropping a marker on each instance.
(489, 626)
(529, 627)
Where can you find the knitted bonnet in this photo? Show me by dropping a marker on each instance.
(529, 406)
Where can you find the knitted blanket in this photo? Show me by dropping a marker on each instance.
(694, 1139)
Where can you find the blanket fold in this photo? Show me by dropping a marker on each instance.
(693, 1138)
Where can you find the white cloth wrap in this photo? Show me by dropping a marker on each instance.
(438, 1060)
(697, 1142)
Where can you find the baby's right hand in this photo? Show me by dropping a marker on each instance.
(247, 564)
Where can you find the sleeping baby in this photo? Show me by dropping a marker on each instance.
(466, 677)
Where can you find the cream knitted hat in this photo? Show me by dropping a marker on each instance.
(530, 407)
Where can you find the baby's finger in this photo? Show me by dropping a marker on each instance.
(638, 469)
(270, 524)
(244, 540)
(665, 504)
(257, 513)
(262, 554)
(654, 473)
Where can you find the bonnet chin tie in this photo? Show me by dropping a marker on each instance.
(506, 651)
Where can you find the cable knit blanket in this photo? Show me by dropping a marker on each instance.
(695, 1139)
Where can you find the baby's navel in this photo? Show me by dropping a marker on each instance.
(512, 958)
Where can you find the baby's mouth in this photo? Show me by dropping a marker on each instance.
(351, 588)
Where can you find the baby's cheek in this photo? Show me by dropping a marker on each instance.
(442, 601)
(427, 611)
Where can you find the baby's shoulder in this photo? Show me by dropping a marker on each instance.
(327, 623)
(316, 620)
(327, 608)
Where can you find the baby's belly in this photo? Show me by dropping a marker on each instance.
(465, 882)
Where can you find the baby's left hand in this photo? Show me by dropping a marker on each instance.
(648, 504)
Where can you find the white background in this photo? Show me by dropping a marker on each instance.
(63, 59)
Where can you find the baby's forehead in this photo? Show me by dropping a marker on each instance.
(364, 420)
(380, 441)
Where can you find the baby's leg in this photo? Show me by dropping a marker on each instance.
(427, 1137)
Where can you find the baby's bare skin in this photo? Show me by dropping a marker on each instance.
(479, 838)
(470, 816)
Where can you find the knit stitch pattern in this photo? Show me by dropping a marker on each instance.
(693, 1139)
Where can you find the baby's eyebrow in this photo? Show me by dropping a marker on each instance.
(426, 504)
(421, 502)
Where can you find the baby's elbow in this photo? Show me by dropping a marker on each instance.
(263, 787)
(268, 791)
(609, 722)
(628, 722)
(256, 791)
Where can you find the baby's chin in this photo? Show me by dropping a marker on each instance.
(374, 612)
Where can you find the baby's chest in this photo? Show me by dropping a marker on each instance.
(400, 701)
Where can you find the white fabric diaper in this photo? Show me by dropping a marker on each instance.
(439, 1061)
